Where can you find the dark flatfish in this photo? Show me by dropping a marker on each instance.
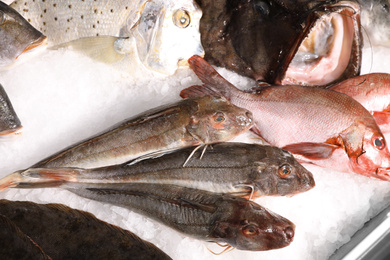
(66, 233)
(9, 121)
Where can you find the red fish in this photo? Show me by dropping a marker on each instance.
(373, 92)
(310, 122)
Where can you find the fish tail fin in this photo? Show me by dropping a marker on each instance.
(214, 83)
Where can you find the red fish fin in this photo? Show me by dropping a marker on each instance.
(10, 181)
(199, 91)
(381, 118)
(312, 151)
(50, 174)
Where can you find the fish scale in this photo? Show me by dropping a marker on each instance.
(70, 20)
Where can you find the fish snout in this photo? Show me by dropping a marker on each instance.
(289, 233)
(383, 173)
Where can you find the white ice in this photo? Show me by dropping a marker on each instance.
(62, 97)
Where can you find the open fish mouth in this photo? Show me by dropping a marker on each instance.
(330, 48)
(40, 42)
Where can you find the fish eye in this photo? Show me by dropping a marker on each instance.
(379, 142)
(385, 8)
(250, 230)
(219, 117)
(262, 7)
(181, 18)
(284, 171)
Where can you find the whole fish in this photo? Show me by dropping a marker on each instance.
(373, 92)
(375, 21)
(204, 215)
(246, 170)
(9, 120)
(188, 122)
(163, 32)
(17, 36)
(17, 245)
(311, 122)
(65, 233)
(283, 41)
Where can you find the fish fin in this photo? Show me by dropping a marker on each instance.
(151, 155)
(195, 205)
(260, 86)
(212, 80)
(312, 151)
(244, 193)
(227, 249)
(192, 154)
(381, 118)
(100, 48)
(199, 91)
(10, 181)
(48, 174)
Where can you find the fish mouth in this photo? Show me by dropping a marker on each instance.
(329, 49)
(41, 41)
(383, 174)
(11, 132)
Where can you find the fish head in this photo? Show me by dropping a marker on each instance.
(168, 34)
(218, 120)
(279, 173)
(253, 227)
(17, 36)
(284, 41)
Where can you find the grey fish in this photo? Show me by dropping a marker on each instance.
(204, 215)
(161, 33)
(65, 233)
(189, 122)
(17, 36)
(9, 121)
(246, 170)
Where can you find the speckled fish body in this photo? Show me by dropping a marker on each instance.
(9, 121)
(17, 36)
(373, 92)
(65, 233)
(375, 21)
(186, 123)
(247, 170)
(213, 217)
(161, 33)
(307, 121)
(282, 41)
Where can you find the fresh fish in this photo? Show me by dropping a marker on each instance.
(160, 32)
(17, 245)
(310, 122)
(373, 92)
(9, 121)
(283, 41)
(65, 233)
(375, 21)
(189, 122)
(204, 215)
(17, 36)
(246, 170)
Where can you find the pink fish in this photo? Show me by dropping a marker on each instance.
(373, 92)
(314, 123)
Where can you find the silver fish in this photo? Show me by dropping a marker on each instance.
(9, 120)
(17, 36)
(161, 33)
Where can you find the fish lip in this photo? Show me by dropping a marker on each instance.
(41, 41)
(318, 15)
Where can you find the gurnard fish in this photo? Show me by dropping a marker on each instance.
(161, 33)
(373, 92)
(203, 215)
(375, 21)
(245, 170)
(61, 232)
(9, 120)
(17, 36)
(314, 123)
(190, 122)
(283, 41)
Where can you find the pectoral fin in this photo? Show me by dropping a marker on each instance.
(100, 48)
(314, 151)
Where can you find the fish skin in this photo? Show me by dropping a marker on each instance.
(66, 233)
(107, 30)
(17, 36)
(373, 92)
(311, 122)
(17, 245)
(9, 120)
(246, 170)
(188, 122)
(200, 214)
(261, 44)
